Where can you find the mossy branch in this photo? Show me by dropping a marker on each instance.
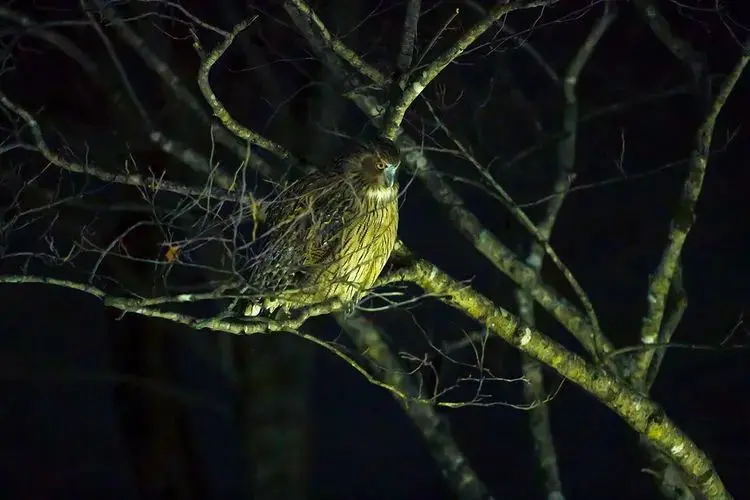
(642, 414)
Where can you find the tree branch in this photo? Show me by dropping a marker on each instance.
(415, 85)
(331, 43)
(152, 183)
(534, 391)
(454, 466)
(643, 415)
(679, 47)
(409, 36)
(682, 222)
(219, 110)
(173, 81)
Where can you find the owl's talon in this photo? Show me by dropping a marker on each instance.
(253, 310)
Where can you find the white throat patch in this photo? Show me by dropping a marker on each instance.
(382, 194)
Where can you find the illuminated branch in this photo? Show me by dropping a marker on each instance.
(679, 299)
(682, 222)
(642, 414)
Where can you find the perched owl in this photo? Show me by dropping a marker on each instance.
(329, 235)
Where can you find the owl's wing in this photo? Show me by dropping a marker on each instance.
(308, 220)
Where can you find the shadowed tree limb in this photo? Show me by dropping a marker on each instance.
(681, 224)
(334, 44)
(136, 180)
(409, 36)
(454, 466)
(682, 50)
(534, 391)
(173, 81)
(170, 146)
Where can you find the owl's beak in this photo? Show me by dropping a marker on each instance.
(389, 174)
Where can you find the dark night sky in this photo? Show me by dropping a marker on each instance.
(60, 419)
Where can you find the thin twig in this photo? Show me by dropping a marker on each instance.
(151, 183)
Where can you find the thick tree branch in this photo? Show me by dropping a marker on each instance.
(409, 36)
(681, 49)
(643, 415)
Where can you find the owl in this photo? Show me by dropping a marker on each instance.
(329, 235)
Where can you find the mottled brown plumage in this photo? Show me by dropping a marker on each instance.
(331, 233)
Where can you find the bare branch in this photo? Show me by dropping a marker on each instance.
(532, 369)
(681, 49)
(682, 222)
(219, 110)
(541, 240)
(301, 9)
(415, 86)
(152, 183)
(175, 84)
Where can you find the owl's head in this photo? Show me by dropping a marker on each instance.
(375, 164)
